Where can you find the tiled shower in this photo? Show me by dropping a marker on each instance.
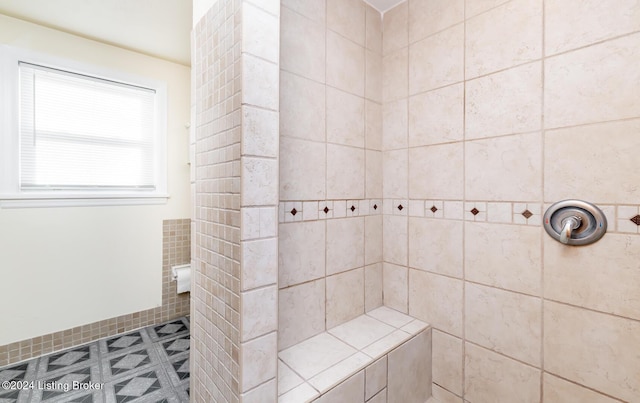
(417, 153)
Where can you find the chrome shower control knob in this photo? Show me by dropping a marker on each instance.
(575, 222)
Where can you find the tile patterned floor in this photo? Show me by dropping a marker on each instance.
(149, 365)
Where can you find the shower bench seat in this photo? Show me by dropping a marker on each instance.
(381, 356)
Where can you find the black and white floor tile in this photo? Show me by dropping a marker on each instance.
(149, 365)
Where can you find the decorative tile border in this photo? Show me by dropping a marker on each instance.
(620, 219)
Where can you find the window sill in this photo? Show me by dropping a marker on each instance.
(29, 201)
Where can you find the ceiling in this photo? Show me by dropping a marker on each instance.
(384, 5)
(159, 28)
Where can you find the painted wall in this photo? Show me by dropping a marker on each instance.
(65, 267)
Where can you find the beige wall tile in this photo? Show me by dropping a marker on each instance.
(505, 256)
(436, 245)
(345, 297)
(394, 172)
(447, 361)
(345, 172)
(395, 28)
(394, 286)
(556, 390)
(504, 103)
(313, 9)
(260, 33)
(506, 36)
(373, 76)
(301, 313)
(394, 244)
(345, 244)
(259, 263)
(570, 24)
(437, 116)
(259, 181)
(302, 107)
(394, 124)
(345, 118)
(602, 276)
(373, 125)
(427, 17)
(395, 79)
(373, 239)
(580, 88)
(609, 145)
(602, 359)
(302, 169)
(258, 361)
(373, 29)
(490, 377)
(260, 83)
(436, 300)
(259, 312)
(302, 45)
(265, 392)
(409, 370)
(301, 252)
(259, 134)
(373, 173)
(437, 61)
(351, 390)
(372, 286)
(516, 160)
(442, 395)
(436, 172)
(345, 64)
(375, 377)
(347, 17)
(503, 321)
(475, 7)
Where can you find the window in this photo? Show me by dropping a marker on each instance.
(79, 136)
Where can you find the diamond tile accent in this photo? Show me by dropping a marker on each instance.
(433, 209)
(353, 208)
(137, 386)
(182, 368)
(375, 206)
(636, 219)
(294, 212)
(527, 214)
(129, 362)
(173, 328)
(80, 375)
(126, 341)
(400, 207)
(67, 358)
(326, 210)
(474, 211)
(16, 373)
(176, 346)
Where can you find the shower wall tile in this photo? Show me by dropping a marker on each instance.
(436, 300)
(444, 396)
(345, 244)
(602, 276)
(373, 239)
(261, 126)
(504, 103)
(475, 7)
(301, 252)
(409, 370)
(503, 321)
(580, 88)
(302, 107)
(345, 183)
(516, 160)
(372, 286)
(347, 17)
(573, 23)
(394, 245)
(345, 118)
(260, 33)
(558, 390)
(441, 167)
(260, 260)
(395, 28)
(373, 76)
(503, 256)
(394, 283)
(490, 377)
(609, 145)
(394, 174)
(259, 181)
(302, 43)
(427, 17)
(312, 9)
(601, 359)
(260, 82)
(345, 297)
(394, 124)
(495, 40)
(373, 29)
(373, 125)
(373, 172)
(345, 64)
(437, 116)
(259, 312)
(437, 61)
(302, 169)
(301, 312)
(258, 360)
(436, 246)
(395, 79)
(447, 359)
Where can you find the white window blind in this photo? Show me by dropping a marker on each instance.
(84, 133)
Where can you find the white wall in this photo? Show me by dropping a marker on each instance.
(66, 267)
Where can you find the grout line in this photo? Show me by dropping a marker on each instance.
(542, 195)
